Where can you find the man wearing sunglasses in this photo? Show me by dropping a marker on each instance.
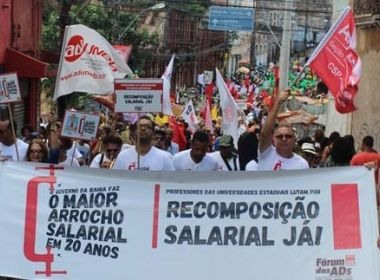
(276, 148)
(112, 146)
(159, 138)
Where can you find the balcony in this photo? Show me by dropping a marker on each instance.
(367, 13)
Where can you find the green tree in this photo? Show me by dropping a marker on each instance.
(106, 19)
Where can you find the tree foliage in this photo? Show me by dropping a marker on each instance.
(108, 20)
(194, 7)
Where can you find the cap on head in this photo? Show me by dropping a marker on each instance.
(226, 141)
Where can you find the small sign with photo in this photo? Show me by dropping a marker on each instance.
(80, 125)
(9, 88)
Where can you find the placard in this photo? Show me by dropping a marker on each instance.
(208, 76)
(80, 125)
(9, 88)
(138, 95)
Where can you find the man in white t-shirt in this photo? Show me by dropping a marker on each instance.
(226, 158)
(8, 143)
(278, 155)
(144, 156)
(196, 158)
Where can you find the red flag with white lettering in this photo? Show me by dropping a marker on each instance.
(336, 62)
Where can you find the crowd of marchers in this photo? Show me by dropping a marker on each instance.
(152, 143)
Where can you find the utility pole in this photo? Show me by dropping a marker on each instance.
(253, 37)
(285, 49)
(305, 34)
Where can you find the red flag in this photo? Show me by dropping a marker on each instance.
(124, 51)
(336, 62)
(251, 94)
(209, 91)
(178, 133)
(106, 100)
(247, 81)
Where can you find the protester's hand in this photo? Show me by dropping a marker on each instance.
(106, 164)
(50, 118)
(371, 165)
(283, 96)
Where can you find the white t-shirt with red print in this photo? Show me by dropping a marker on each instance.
(155, 159)
(271, 160)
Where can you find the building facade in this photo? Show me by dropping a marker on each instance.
(366, 120)
(21, 23)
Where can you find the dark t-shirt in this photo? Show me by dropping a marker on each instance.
(247, 148)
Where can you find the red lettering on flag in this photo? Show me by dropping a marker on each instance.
(156, 209)
(345, 214)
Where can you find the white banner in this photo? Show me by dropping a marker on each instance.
(77, 223)
(88, 63)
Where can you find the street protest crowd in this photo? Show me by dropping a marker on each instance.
(228, 124)
(161, 142)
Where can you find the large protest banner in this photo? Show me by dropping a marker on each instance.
(78, 223)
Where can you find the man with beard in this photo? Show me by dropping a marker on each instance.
(150, 157)
(196, 158)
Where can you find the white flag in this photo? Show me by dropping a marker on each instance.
(229, 109)
(188, 114)
(88, 63)
(166, 77)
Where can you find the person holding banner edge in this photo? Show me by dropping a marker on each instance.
(276, 144)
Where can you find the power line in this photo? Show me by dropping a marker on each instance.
(270, 8)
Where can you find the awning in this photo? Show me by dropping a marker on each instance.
(27, 66)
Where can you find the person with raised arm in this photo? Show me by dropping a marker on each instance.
(276, 144)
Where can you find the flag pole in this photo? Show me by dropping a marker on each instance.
(298, 78)
(13, 130)
(72, 158)
(138, 141)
